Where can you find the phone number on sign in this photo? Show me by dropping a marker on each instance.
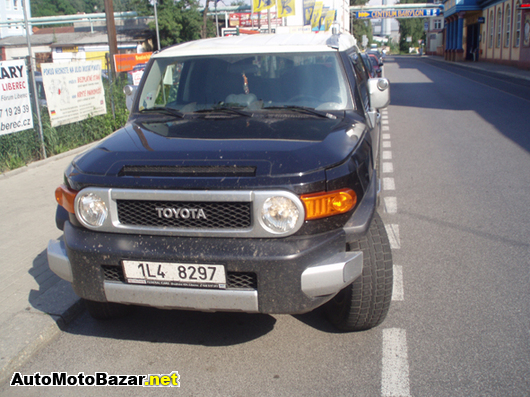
(14, 111)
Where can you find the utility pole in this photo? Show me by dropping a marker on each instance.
(111, 33)
(32, 68)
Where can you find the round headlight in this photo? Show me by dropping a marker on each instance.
(279, 214)
(92, 209)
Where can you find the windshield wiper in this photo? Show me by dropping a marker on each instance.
(165, 110)
(305, 109)
(225, 109)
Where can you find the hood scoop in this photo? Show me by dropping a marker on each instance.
(187, 171)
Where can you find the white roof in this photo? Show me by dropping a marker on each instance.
(261, 43)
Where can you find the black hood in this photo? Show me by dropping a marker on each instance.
(274, 147)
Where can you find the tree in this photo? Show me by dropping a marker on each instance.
(361, 27)
(178, 21)
(409, 27)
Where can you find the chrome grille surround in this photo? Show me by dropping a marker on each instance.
(256, 198)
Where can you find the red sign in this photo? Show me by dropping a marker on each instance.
(126, 62)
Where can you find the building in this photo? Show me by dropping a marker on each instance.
(488, 30)
(11, 10)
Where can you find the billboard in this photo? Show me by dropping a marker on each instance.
(74, 91)
(15, 105)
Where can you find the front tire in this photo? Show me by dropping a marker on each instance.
(364, 304)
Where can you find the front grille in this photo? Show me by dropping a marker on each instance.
(234, 280)
(196, 215)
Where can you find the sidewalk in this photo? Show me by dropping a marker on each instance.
(34, 302)
(488, 67)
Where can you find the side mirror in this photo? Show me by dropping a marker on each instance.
(130, 93)
(379, 90)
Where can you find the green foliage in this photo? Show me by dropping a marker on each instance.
(178, 21)
(361, 27)
(44, 8)
(410, 27)
(21, 148)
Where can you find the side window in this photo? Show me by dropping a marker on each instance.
(361, 78)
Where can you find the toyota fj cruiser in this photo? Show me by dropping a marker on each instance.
(245, 180)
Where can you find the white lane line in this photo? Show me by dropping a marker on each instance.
(385, 128)
(389, 184)
(387, 155)
(395, 376)
(390, 205)
(392, 231)
(384, 121)
(388, 168)
(387, 144)
(397, 288)
(386, 136)
(384, 116)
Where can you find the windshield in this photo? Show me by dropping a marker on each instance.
(253, 82)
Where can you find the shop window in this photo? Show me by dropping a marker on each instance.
(499, 28)
(492, 29)
(437, 24)
(508, 26)
(517, 33)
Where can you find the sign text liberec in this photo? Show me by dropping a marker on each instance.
(15, 105)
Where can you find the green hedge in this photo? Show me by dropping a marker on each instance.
(20, 148)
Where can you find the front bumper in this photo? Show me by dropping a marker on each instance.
(294, 274)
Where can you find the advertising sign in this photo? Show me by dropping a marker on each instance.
(74, 91)
(246, 20)
(409, 13)
(309, 6)
(15, 105)
(260, 5)
(126, 62)
(286, 8)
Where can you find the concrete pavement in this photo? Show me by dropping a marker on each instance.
(34, 302)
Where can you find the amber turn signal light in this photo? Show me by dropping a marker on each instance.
(324, 204)
(65, 198)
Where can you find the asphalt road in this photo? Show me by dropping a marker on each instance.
(456, 185)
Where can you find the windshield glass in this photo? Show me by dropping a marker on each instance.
(253, 82)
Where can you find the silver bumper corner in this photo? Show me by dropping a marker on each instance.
(58, 260)
(332, 276)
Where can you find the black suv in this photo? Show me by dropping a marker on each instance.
(245, 180)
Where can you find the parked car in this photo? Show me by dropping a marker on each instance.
(245, 180)
(379, 56)
(368, 65)
(376, 65)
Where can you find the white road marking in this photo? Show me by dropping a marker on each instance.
(395, 376)
(397, 288)
(387, 155)
(390, 205)
(385, 128)
(387, 144)
(392, 231)
(386, 136)
(384, 121)
(388, 168)
(389, 184)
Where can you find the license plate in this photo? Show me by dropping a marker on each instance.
(175, 274)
